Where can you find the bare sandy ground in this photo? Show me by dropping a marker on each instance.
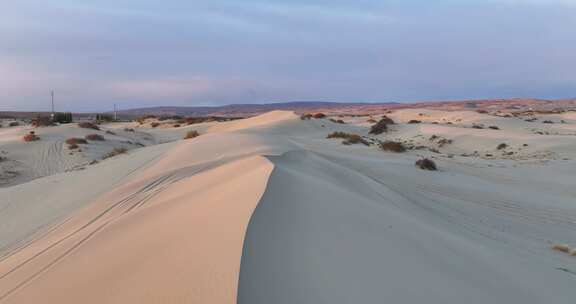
(267, 210)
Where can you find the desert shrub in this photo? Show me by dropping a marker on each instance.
(338, 121)
(502, 146)
(14, 124)
(76, 141)
(319, 115)
(371, 120)
(380, 127)
(306, 116)
(129, 130)
(482, 111)
(494, 127)
(444, 141)
(110, 132)
(548, 122)
(191, 134)
(393, 146)
(115, 152)
(155, 124)
(42, 121)
(30, 137)
(562, 248)
(88, 125)
(349, 139)
(355, 139)
(426, 164)
(176, 126)
(73, 147)
(387, 120)
(477, 126)
(95, 137)
(414, 121)
(63, 118)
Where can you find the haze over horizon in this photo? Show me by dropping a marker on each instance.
(141, 53)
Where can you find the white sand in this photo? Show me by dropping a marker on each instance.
(332, 223)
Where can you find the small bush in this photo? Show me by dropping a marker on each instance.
(76, 141)
(494, 127)
(319, 115)
(477, 126)
(426, 164)
(191, 134)
(380, 127)
(502, 146)
(414, 121)
(14, 124)
(393, 146)
(482, 111)
(306, 116)
(155, 124)
(95, 137)
(30, 137)
(115, 152)
(338, 121)
(73, 147)
(350, 139)
(371, 120)
(88, 125)
(110, 132)
(548, 122)
(128, 130)
(176, 126)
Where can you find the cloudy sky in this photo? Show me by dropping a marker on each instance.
(137, 53)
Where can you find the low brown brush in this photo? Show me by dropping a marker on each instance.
(88, 125)
(414, 121)
(380, 127)
(14, 124)
(73, 146)
(426, 164)
(191, 134)
(502, 146)
(95, 137)
(115, 152)
(349, 139)
(319, 115)
(494, 127)
(76, 141)
(110, 132)
(562, 248)
(30, 137)
(128, 130)
(393, 146)
(155, 124)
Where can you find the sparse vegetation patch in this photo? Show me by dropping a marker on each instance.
(426, 164)
(95, 137)
(88, 125)
(393, 146)
(191, 134)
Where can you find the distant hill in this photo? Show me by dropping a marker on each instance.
(245, 109)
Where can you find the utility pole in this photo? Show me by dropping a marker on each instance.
(52, 101)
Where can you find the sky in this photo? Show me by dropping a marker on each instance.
(140, 53)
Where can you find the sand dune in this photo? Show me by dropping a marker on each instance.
(267, 210)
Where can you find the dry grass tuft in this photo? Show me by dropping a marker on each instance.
(30, 137)
(95, 137)
(14, 124)
(155, 124)
(426, 164)
(414, 121)
(349, 139)
(191, 134)
(128, 130)
(502, 146)
(76, 141)
(73, 146)
(115, 152)
(88, 125)
(393, 146)
(380, 127)
(319, 115)
(562, 248)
